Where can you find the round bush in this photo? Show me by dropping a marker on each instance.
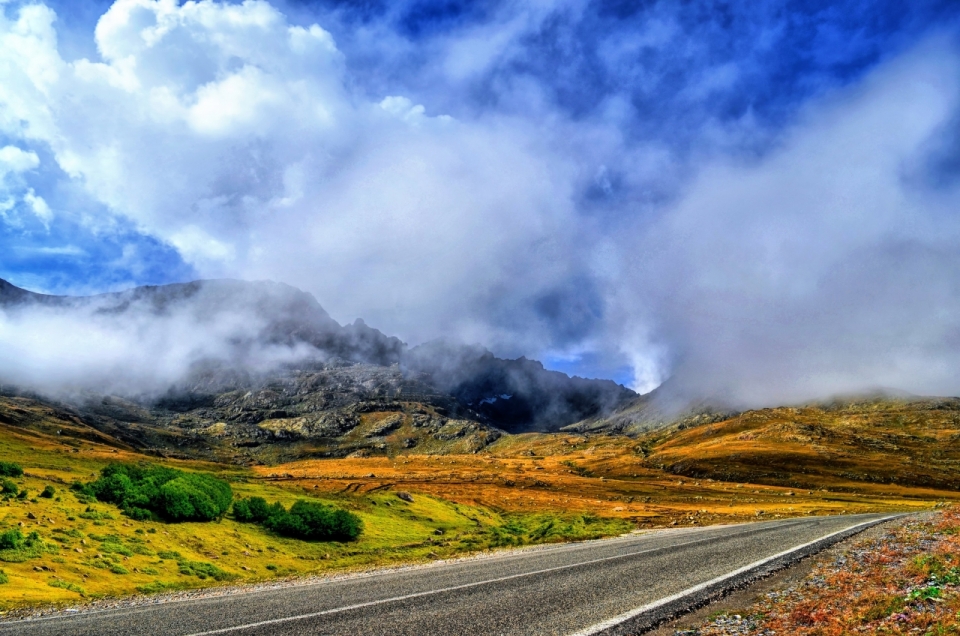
(254, 510)
(11, 469)
(195, 498)
(316, 522)
(11, 539)
(145, 491)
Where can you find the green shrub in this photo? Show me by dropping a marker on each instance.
(203, 570)
(7, 487)
(16, 548)
(10, 469)
(3, 577)
(144, 492)
(255, 510)
(195, 498)
(115, 547)
(73, 587)
(95, 515)
(316, 522)
(156, 586)
(11, 539)
(48, 492)
(305, 519)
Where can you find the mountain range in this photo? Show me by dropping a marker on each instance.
(269, 374)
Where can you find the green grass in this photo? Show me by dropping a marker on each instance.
(89, 549)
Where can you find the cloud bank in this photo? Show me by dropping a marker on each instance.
(559, 180)
(143, 345)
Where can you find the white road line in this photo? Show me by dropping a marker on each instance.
(616, 620)
(347, 608)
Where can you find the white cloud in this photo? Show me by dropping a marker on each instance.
(15, 160)
(140, 351)
(821, 268)
(232, 135)
(39, 207)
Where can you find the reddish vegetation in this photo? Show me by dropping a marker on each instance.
(907, 581)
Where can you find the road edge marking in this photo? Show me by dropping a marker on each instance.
(603, 626)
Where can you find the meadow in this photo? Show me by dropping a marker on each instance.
(415, 507)
(90, 550)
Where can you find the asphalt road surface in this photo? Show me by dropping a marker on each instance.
(568, 589)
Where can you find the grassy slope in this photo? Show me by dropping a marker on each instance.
(78, 563)
(910, 443)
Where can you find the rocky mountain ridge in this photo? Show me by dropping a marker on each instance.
(349, 389)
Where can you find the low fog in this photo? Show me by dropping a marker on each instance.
(828, 267)
(755, 260)
(142, 346)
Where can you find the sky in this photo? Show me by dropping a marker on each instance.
(756, 199)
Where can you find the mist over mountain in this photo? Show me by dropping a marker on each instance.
(184, 346)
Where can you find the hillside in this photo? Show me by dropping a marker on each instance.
(878, 440)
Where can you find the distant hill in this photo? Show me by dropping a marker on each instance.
(662, 408)
(317, 399)
(878, 439)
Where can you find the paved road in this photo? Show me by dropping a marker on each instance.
(566, 589)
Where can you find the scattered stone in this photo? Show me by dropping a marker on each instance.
(405, 496)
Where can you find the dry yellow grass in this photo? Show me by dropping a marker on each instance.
(867, 446)
(603, 475)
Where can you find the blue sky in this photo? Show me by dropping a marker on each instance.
(516, 174)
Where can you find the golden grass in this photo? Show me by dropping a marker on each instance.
(858, 446)
(94, 551)
(602, 475)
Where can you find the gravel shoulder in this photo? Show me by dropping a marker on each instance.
(900, 577)
(740, 602)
